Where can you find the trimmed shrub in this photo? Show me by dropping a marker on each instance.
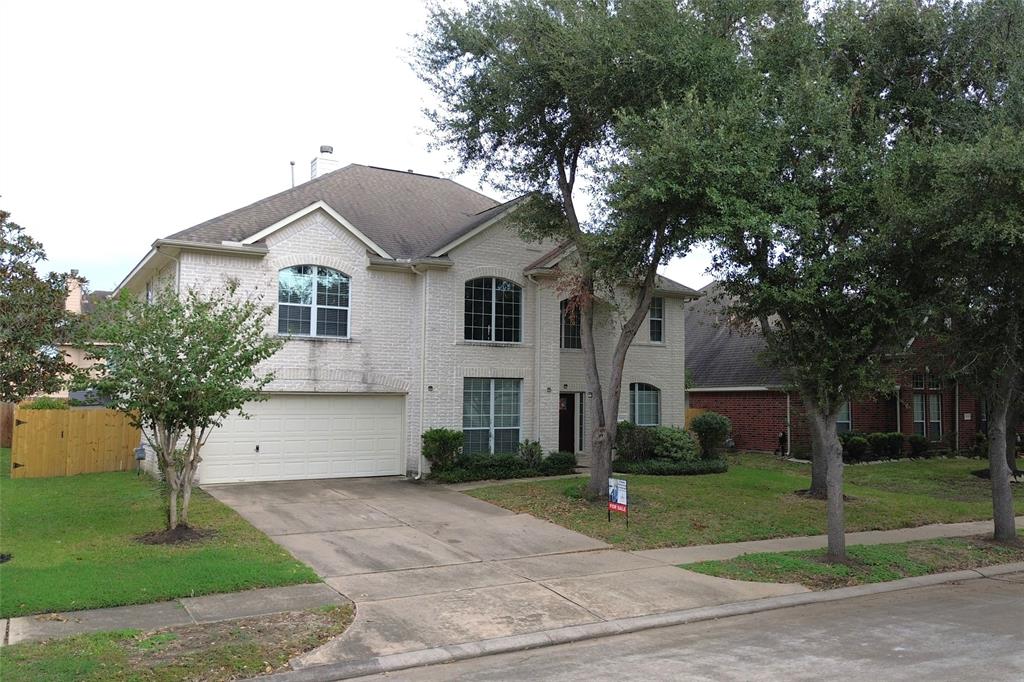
(531, 453)
(711, 429)
(671, 467)
(885, 445)
(441, 447)
(856, 449)
(484, 467)
(634, 443)
(558, 464)
(918, 445)
(46, 403)
(673, 443)
(981, 445)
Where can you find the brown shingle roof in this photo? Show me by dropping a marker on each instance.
(407, 214)
(717, 354)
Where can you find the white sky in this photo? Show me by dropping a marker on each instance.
(122, 122)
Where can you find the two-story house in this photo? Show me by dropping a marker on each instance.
(408, 302)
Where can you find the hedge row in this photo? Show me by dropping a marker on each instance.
(872, 447)
(493, 467)
(671, 467)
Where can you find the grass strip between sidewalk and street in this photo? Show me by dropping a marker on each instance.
(226, 650)
(73, 545)
(867, 563)
(756, 500)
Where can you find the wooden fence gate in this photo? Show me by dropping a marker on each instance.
(78, 440)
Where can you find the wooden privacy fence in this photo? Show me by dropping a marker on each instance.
(692, 413)
(79, 440)
(6, 424)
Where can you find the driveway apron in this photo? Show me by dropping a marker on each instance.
(428, 566)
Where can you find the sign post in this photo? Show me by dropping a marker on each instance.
(618, 498)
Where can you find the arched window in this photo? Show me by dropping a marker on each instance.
(312, 301)
(644, 405)
(494, 310)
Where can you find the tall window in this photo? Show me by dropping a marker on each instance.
(927, 404)
(844, 419)
(312, 301)
(644, 405)
(493, 310)
(570, 318)
(491, 415)
(657, 317)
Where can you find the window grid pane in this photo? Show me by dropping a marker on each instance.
(570, 321)
(934, 417)
(919, 414)
(507, 305)
(293, 319)
(645, 404)
(491, 415)
(313, 301)
(479, 309)
(657, 317)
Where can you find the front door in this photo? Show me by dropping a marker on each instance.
(567, 422)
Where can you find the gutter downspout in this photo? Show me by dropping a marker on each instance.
(956, 416)
(425, 274)
(789, 427)
(899, 409)
(536, 357)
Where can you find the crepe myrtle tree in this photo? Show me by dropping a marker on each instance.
(179, 366)
(531, 92)
(33, 318)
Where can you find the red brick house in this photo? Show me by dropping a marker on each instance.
(726, 376)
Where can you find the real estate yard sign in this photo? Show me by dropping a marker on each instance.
(618, 498)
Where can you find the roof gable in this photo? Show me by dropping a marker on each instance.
(406, 215)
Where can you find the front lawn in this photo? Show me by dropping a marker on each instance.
(225, 650)
(754, 500)
(868, 563)
(72, 546)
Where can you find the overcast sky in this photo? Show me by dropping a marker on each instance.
(123, 122)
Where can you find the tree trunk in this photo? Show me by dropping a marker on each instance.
(1013, 415)
(1005, 529)
(172, 507)
(824, 424)
(819, 461)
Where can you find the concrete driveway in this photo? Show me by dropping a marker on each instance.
(428, 566)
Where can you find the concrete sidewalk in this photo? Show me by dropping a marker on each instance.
(177, 612)
(689, 555)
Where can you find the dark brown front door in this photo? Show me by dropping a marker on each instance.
(567, 422)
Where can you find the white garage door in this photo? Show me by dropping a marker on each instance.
(308, 436)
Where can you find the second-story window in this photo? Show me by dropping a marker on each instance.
(494, 310)
(657, 317)
(570, 325)
(312, 301)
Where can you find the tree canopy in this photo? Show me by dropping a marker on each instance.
(33, 320)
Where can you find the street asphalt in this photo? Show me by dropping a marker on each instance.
(971, 630)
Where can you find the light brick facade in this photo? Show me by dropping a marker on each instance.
(392, 351)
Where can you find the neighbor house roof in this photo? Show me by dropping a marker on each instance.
(409, 215)
(548, 263)
(718, 355)
(91, 299)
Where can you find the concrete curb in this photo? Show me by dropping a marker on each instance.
(503, 645)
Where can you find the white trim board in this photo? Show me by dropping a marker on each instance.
(322, 206)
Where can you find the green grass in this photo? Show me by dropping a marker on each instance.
(73, 545)
(868, 563)
(754, 500)
(213, 651)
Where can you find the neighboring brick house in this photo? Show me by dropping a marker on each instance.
(79, 301)
(408, 302)
(726, 376)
